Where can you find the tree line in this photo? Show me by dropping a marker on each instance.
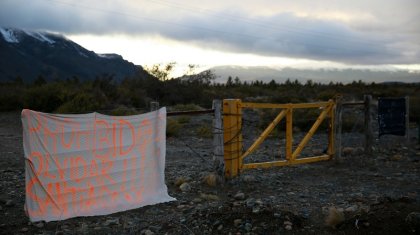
(74, 95)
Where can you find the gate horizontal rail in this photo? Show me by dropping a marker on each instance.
(192, 112)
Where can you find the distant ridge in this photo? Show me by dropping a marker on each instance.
(325, 75)
(29, 54)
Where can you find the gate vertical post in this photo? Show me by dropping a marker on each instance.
(232, 136)
(331, 130)
(289, 133)
(339, 124)
(368, 125)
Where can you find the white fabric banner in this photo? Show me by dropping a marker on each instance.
(93, 164)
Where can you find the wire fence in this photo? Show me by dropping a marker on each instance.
(190, 136)
(190, 133)
(198, 131)
(354, 139)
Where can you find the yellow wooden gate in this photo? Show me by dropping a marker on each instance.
(232, 122)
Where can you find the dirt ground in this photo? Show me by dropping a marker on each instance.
(356, 195)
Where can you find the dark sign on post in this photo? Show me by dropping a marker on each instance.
(391, 116)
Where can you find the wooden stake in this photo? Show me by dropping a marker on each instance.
(218, 137)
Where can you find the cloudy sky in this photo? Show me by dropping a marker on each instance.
(301, 33)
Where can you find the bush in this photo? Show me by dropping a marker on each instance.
(45, 98)
(186, 107)
(184, 119)
(414, 104)
(204, 132)
(350, 121)
(84, 102)
(11, 98)
(326, 95)
(173, 127)
(123, 111)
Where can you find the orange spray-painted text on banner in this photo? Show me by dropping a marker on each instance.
(92, 164)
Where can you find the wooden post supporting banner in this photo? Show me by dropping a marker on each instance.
(368, 125)
(232, 136)
(218, 137)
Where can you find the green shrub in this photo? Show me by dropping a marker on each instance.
(414, 104)
(123, 111)
(184, 119)
(45, 98)
(326, 95)
(10, 98)
(204, 132)
(186, 107)
(83, 102)
(352, 122)
(173, 127)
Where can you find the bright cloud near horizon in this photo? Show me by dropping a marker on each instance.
(372, 34)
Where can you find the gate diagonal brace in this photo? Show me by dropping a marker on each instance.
(265, 134)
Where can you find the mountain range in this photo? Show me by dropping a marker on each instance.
(29, 54)
(266, 74)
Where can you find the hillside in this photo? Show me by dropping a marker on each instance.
(28, 54)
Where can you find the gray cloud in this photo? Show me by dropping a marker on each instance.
(283, 34)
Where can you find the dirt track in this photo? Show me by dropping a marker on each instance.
(376, 195)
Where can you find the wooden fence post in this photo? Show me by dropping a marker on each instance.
(232, 136)
(418, 130)
(368, 125)
(218, 137)
(154, 105)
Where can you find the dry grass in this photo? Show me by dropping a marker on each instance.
(180, 180)
(211, 179)
(334, 218)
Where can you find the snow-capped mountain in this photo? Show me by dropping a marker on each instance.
(29, 54)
